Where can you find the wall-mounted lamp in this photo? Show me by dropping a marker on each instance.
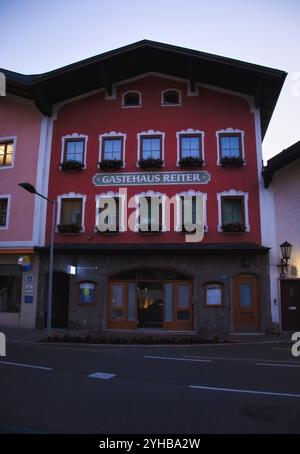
(286, 250)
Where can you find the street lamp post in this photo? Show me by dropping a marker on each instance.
(30, 188)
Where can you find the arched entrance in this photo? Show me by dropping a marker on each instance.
(150, 298)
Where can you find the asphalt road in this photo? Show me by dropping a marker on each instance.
(252, 388)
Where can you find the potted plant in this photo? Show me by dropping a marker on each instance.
(71, 166)
(110, 164)
(232, 161)
(233, 227)
(149, 163)
(69, 228)
(191, 161)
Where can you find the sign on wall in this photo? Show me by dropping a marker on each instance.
(151, 178)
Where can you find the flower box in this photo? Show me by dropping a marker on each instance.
(150, 163)
(71, 166)
(232, 162)
(234, 227)
(110, 164)
(191, 162)
(69, 228)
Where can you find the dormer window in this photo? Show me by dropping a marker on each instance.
(132, 99)
(171, 98)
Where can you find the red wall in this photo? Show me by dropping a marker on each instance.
(208, 112)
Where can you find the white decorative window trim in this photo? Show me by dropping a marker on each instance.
(189, 193)
(235, 193)
(113, 135)
(8, 197)
(14, 140)
(229, 131)
(187, 132)
(151, 132)
(74, 135)
(163, 208)
(71, 195)
(122, 207)
(136, 92)
(173, 104)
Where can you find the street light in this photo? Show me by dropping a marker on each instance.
(286, 249)
(30, 188)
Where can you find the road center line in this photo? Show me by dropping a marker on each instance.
(276, 365)
(169, 358)
(252, 360)
(243, 391)
(7, 363)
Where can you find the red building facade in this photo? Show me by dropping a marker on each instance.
(162, 135)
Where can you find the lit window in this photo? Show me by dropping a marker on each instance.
(6, 153)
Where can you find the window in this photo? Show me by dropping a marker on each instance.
(230, 146)
(10, 293)
(131, 99)
(71, 211)
(233, 210)
(3, 212)
(6, 153)
(111, 221)
(191, 211)
(150, 214)
(190, 146)
(74, 150)
(151, 147)
(171, 97)
(214, 294)
(112, 149)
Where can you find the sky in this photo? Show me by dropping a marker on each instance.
(41, 35)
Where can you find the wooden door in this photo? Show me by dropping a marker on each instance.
(122, 305)
(245, 303)
(290, 304)
(179, 308)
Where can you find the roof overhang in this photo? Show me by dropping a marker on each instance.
(109, 68)
(280, 161)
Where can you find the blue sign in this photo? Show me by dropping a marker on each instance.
(28, 299)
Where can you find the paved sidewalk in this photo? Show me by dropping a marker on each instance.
(29, 335)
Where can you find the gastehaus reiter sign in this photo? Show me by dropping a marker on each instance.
(153, 178)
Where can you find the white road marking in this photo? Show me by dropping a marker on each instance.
(179, 359)
(7, 363)
(102, 375)
(224, 358)
(243, 391)
(277, 365)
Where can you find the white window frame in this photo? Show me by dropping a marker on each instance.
(8, 197)
(229, 131)
(234, 193)
(122, 207)
(187, 132)
(171, 105)
(71, 195)
(189, 193)
(75, 135)
(163, 209)
(113, 135)
(150, 132)
(14, 140)
(133, 92)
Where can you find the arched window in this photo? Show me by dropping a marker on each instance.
(171, 97)
(131, 99)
